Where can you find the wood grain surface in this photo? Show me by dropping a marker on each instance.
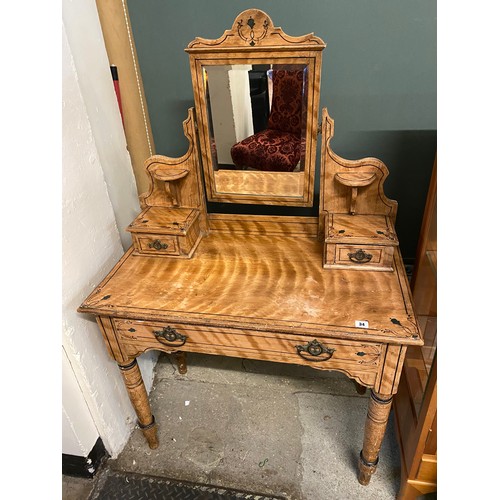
(250, 183)
(296, 227)
(273, 283)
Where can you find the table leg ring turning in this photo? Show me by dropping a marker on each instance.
(149, 432)
(140, 401)
(366, 469)
(379, 408)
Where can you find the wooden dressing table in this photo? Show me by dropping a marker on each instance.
(328, 292)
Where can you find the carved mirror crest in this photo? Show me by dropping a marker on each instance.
(256, 97)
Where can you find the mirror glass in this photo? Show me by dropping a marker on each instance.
(257, 122)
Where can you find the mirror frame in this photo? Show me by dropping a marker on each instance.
(253, 39)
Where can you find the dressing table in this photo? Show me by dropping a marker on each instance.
(329, 292)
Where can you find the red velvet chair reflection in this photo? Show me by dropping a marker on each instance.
(278, 147)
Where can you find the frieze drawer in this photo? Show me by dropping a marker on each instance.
(322, 353)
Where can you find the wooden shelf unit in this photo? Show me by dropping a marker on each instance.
(415, 405)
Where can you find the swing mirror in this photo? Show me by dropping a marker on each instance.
(256, 97)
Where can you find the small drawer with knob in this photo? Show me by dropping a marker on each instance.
(166, 232)
(375, 258)
(156, 244)
(359, 242)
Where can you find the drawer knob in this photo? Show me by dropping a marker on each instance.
(360, 256)
(170, 336)
(158, 245)
(315, 351)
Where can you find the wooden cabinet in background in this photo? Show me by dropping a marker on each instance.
(415, 405)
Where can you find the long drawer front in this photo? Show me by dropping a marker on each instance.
(360, 360)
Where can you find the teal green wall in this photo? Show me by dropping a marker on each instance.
(378, 82)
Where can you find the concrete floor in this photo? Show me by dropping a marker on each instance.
(263, 427)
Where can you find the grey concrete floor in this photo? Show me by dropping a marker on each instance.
(268, 428)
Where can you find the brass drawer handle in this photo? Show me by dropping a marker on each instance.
(360, 256)
(170, 336)
(315, 351)
(158, 245)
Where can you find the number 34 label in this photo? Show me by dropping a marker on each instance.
(361, 324)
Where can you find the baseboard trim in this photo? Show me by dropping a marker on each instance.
(73, 465)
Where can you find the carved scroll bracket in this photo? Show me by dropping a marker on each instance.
(170, 176)
(176, 182)
(352, 186)
(355, 180)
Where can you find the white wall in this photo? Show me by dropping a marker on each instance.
(83, 30)
(79, 430)
(99, 201)
(231, 107)
(222, 112)
(239, 83)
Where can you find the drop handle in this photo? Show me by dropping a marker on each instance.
(360, 256)
(158, 245)
(170, 336)
(315, 351)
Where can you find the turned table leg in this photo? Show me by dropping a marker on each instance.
(180, 359)
(140, 402)
(379, 408)
(360, 389)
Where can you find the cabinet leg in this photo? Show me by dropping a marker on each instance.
(139, 398)
(180, 359)
(360, 389)
(379, 408)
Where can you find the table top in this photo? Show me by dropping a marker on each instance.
(274, 283)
